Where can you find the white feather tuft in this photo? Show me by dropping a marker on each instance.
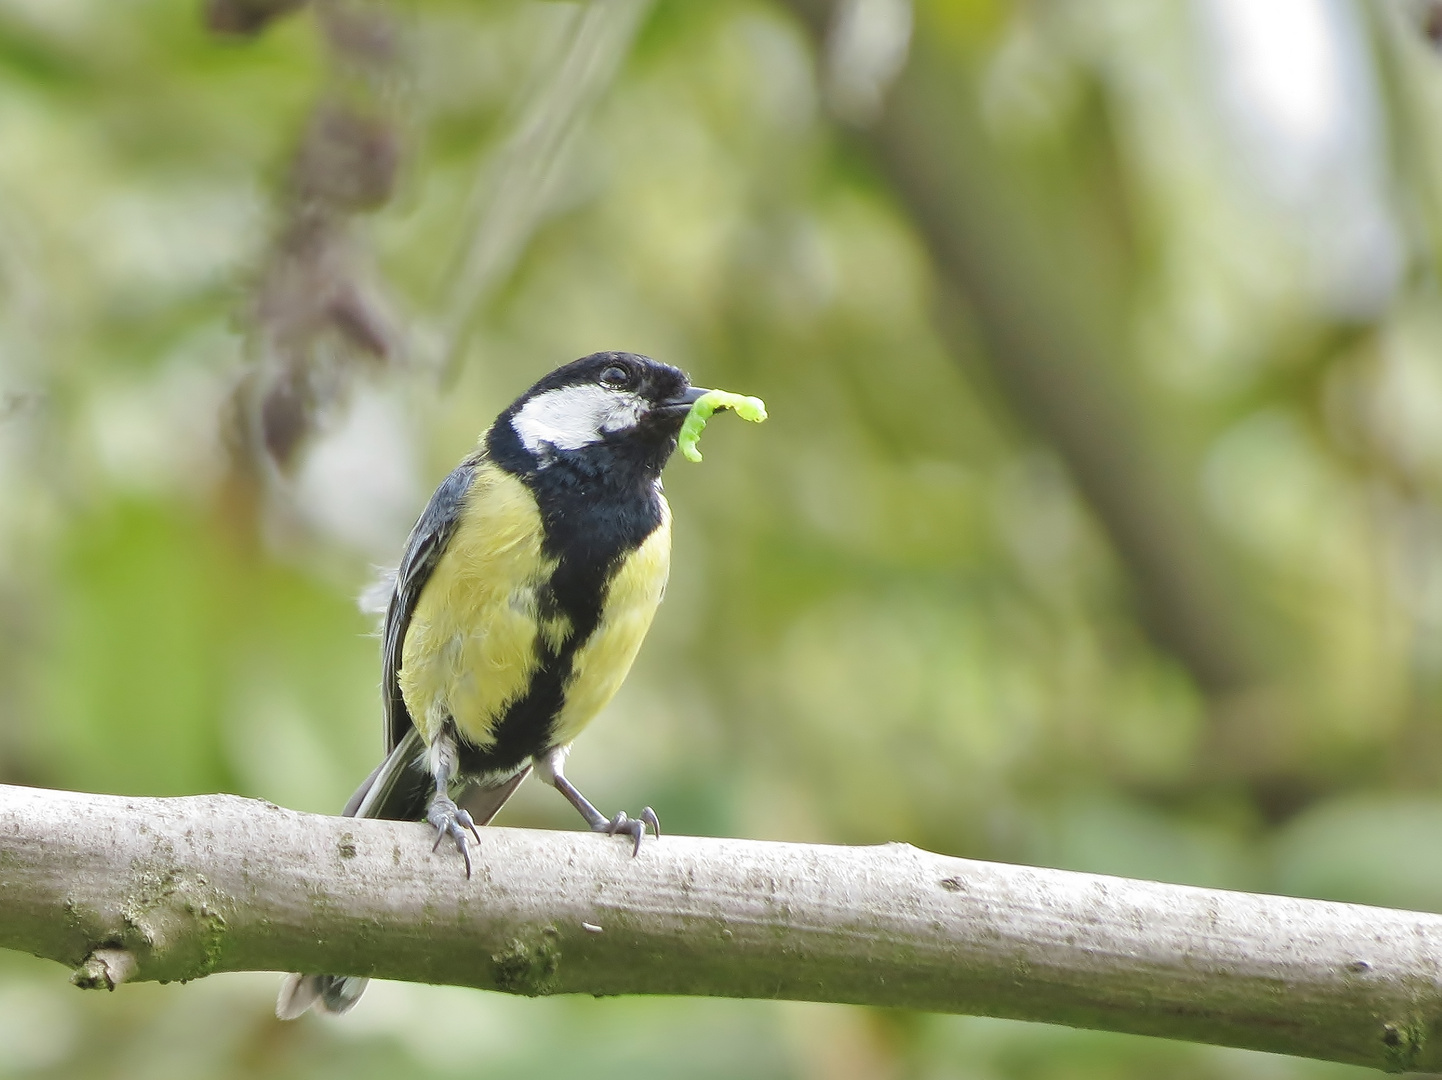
(376, 597)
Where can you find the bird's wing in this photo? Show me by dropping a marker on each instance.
(427, 543)
(399, 787)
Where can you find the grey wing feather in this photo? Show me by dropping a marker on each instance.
(398, 788)
(401, 785)
(424, 548)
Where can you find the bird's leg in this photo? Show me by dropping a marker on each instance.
(445, 816)
(551, 769)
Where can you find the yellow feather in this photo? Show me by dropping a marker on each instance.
(601, 664)
(470, 650)
(471, 646)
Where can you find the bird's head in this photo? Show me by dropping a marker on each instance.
(609, 408)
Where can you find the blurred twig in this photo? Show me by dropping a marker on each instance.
(1000, 277)
(142, 889)
(17, 403)
(318, 307)
(514, 190)
(1407, 62)
(246, 17)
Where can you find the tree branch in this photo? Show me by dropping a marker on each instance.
(180, 888)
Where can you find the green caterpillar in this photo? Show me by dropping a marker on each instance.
(748, 408)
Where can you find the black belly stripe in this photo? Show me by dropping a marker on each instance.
(592, 524)
(524, 730)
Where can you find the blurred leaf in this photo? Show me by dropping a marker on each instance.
(1365, 849)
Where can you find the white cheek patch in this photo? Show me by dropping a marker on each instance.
(575, 416)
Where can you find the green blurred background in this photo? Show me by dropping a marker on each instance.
(1098, 523)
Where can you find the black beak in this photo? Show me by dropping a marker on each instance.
(683, 401)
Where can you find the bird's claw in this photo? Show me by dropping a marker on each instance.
(625, 825)
(448, 819)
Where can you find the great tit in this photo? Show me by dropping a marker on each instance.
(522, 597)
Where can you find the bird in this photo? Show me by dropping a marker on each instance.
(522, 597)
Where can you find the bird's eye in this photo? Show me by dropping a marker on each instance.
(616, 376)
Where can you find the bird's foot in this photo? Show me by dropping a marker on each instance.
(624, 825)
(448, 819)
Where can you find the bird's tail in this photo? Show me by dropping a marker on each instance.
(397, 790)
(333, 994)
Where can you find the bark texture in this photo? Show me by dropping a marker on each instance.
(120, 888)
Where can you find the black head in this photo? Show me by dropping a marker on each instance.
(607, 411)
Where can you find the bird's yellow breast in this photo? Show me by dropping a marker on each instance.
(470, 650)
(630, 603)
